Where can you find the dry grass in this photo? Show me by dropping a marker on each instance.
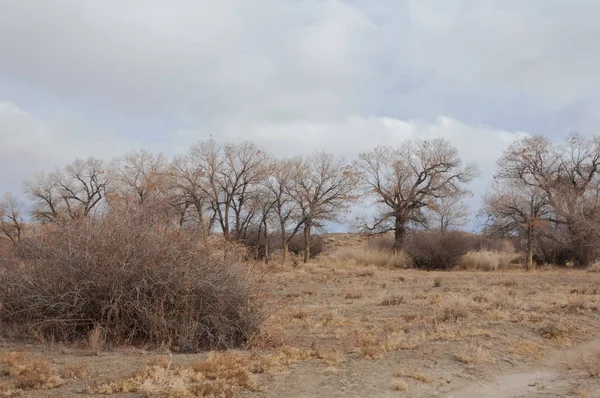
(221, 375)
(76, 371)
(399, 385)
(29, 373)
(392, 300)
(473, 355)
(487, 260)
(528, 349)
(353, 292)
(414, 374)
(372, 256)
(589, 364)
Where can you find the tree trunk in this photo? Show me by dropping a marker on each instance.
(285, 251)
(266, 236)
(529, 248)
(399, 234)
(306, 242)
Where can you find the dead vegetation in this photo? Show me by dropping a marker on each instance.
(126, 279)
(332, 315)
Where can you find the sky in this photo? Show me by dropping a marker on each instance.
(101, 78)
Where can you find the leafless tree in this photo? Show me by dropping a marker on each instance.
(68, 194)
(189, 192)
(448, 213)
(569, 176)
(408, 179)
(516, 209)
(139, 177)
(12, 223)
(288, 213)
(232, 175)
(323, 187)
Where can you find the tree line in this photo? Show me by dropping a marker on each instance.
(543, 194)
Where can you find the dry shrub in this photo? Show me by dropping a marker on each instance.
(414, 374)
(528, 348)
(29, 373)
(222, 375)
(486, 260)
(589, 364)
(392, 300)
(372, 256)
(317, 245)
(76, 371)
(399, 385)
(135, 280)
(555, 330)
(453, 309)
(435, 250)
(474, 355)
(352, 292)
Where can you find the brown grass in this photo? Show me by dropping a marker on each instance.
(29, 373)
(372, 257)
(76, 371)
(414, 374)
(474, 355)
(589, 364)
(487, 260)
(399, 385)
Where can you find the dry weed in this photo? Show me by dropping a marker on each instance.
(392, 300)
(29, 373)
(474, 355)
(414, 374)
(487, 260)
(399, 385)
(589, 364)
(528, 348)
(76, 371)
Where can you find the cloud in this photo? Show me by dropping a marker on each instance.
(96, 78)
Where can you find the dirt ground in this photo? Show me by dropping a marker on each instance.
(338, 329)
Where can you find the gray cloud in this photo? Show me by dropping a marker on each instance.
(99, 78)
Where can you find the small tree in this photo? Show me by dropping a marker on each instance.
(287, 210)
(447, 213)
(408, 179)
(516, 209)
(323, 188)
(11, 218)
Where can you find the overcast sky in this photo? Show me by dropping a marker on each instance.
(100, 78)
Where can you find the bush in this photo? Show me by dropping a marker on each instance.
(435, 250)
(135, 280)
(317, 245)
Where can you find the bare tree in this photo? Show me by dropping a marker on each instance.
(323, 187)
(68, 194)
(232, 174)
(448, 213)
(287, 210)
(569, 176)
(189, 191)
(12, 223)
(516, 209)
(139, 177)
(408, 179)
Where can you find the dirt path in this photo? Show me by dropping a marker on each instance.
(545, 380)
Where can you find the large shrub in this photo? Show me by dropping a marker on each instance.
(135, 280)
(436, 250)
